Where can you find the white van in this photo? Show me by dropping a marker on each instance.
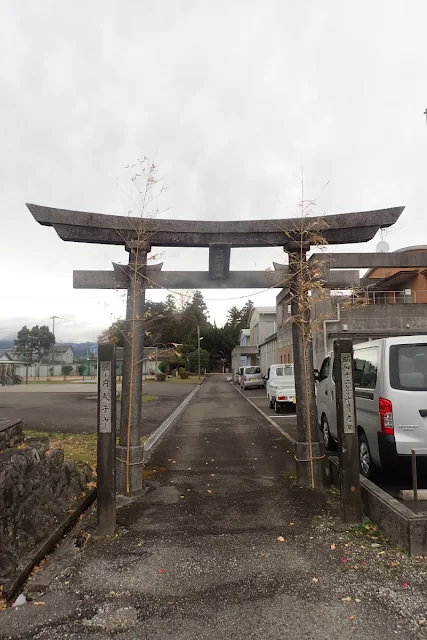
(280, 385)
(391, 401)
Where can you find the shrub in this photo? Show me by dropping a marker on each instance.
(184, 375)
(160, 377)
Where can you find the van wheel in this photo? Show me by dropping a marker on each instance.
(270, 403)
(276, 407)
(365, 460)
(330, 443)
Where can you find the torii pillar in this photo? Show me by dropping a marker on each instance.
(130, 451)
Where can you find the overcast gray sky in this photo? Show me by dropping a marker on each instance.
(232, 96)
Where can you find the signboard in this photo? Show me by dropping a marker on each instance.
(105, 406)
(219, 261)
(347, 392)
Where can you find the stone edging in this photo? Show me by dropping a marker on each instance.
(34, 557)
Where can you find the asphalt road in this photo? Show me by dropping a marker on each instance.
(73, 408)
(198, 557)
(391, 483)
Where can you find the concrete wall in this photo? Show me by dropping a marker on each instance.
(365, 322)
(262, 326)
(36, 488)
(268, 354)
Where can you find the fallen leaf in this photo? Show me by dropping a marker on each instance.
(421, 622)
(333, 547)
(358, 600)
(405, 584)
(291, 524)
(347, 599)
(343, 559)
(315, 580)
(262, 555)
(160, 571)
(140, 544)
(351, 618)
(209, 491)
(280, 539)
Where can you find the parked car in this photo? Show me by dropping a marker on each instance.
(239, 374)
(280, 385)
(391, 401)
(251, 377)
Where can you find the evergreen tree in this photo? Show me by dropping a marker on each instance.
(31, 344)
(244, 315)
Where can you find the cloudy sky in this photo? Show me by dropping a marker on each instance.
(232, 97)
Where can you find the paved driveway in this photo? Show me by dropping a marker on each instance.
(225, 547)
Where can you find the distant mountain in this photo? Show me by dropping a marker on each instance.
(6, 343)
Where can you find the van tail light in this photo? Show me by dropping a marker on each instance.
(386, 416)
(282, 397)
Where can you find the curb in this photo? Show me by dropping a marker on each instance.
(273, 424)
(154, 438)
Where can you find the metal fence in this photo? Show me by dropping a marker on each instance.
(407, 296)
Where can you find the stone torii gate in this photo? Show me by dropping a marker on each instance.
(220, 237)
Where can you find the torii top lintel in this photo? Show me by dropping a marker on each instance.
(80, 226)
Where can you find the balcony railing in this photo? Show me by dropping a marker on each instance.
(387, 297)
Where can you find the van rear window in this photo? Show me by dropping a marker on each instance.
(408, 367)
(252, 370)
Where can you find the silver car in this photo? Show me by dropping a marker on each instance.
(251, 377)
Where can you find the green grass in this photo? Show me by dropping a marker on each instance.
(192, 380)
(145, 397)
(80, 448)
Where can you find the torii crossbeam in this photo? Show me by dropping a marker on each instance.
(220, 237)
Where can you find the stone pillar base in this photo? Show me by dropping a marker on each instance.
(309, 473)
(135, 469)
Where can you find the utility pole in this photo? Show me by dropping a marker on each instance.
(53, 318)
(198, 347)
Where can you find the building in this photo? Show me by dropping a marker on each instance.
(390, 302)
(268, 353)
(60, 353)
(262, 324)
(257, 342)
(284, 327)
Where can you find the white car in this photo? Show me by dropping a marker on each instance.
(251, 377)
(390, 378)
(280, 385)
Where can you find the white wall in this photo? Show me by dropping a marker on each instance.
(268, 355)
